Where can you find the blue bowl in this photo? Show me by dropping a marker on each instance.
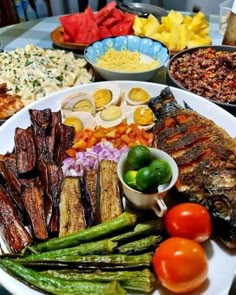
(145, 46)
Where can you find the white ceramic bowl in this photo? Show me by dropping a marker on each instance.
(147, 47)
(152, 201)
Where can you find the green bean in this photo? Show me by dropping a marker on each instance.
(60, 286)
(123, 221)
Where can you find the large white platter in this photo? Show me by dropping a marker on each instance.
(222, 262)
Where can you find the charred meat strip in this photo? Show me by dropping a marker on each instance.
(72, 217)
(26, 157)
(16, 235)
(110, 204)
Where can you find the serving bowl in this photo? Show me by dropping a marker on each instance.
(142, 200)
(172, 81)
(149, 50)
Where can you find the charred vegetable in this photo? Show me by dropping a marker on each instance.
(99, 247)
(16, 235)
(146, 244)
(110, 204)
(139, 280)
(72, 217)
(124, 221)
(140, 230)
(113, 261)
(60, 286)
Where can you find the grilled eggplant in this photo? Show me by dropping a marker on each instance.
(26, 157)
(64, 140)
(34, 204)
(109, 203)
(206, 157)
(16, 235)
(72, 217)
(51, 176)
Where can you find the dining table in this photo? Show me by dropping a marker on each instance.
(38, 32)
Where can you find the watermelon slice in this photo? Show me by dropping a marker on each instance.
(104, 13)
(87, 27)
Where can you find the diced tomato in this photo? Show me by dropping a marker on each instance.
(125, 138)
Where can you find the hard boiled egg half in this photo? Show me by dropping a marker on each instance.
(79, 102)
(137, 96)
(106, 96)
(79, 120)
(141, 115)
(110, 116)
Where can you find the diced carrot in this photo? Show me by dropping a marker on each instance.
(71, 153)
(92, 141)
(125, 138)
(111, 134)
(80, 145)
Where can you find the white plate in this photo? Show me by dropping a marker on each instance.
(222, 261)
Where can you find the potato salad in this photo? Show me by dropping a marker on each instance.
(34, 72)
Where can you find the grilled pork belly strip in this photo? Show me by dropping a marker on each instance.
(16, 235)
(110, 204)
(72, 217)
(26, 156)
(206, 157)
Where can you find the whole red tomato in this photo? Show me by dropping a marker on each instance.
(189, 220)
(180, 264)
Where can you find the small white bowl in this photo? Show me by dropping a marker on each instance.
(152, 201)
(148, 48)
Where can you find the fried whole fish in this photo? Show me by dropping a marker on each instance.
(206, 157)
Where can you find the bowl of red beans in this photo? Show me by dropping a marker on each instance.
(208, 71)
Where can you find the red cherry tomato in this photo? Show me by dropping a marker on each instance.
(180, 264)
(190, 221)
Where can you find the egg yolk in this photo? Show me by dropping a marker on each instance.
(139, 95)
(111, 113)
(84, 105)
(102, 97)
(74, 122)
(143, 116)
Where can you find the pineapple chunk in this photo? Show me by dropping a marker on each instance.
(151, 26)
(175, 30)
